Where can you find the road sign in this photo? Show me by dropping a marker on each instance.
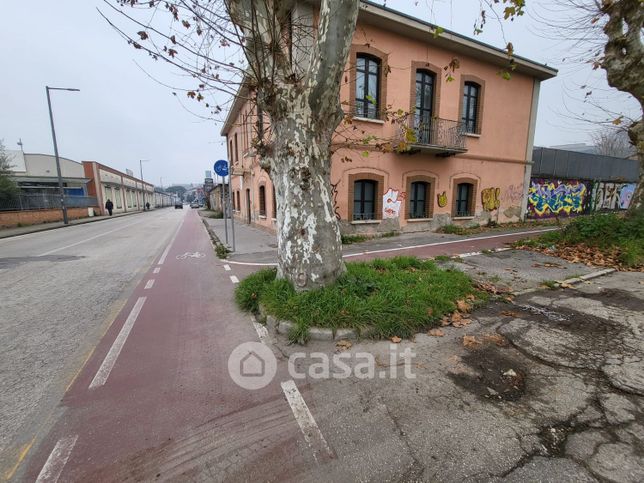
(221, 167)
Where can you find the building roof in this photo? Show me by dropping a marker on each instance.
(409, 26)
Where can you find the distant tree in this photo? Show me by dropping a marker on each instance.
(178, 190)
(8, 187)
(613, 142)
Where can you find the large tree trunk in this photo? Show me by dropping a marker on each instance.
(309, 245)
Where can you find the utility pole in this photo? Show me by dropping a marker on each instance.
(53, 135)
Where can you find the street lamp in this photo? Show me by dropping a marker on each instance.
(141, 161)
(53, 135)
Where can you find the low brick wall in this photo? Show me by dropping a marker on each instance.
(11, 219)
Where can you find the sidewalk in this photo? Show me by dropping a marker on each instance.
(253, 245)
(24, 230)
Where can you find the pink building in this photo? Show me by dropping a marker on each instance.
(467, 159)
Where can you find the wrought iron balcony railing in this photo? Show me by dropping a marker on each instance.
(440, 136)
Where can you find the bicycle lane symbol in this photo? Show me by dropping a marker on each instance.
(191, 255)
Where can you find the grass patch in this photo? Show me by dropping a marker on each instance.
(452, 230)
(381, 298)
(350, 239)
(601, 239)
(215, 214)
(442, 258)
(551, 284)
(221, 250)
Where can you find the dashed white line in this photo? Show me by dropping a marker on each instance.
(54, 465)
(149, 285)
(305, 420)
(104, 371)
(227, 267)
(234, 279)
(156, 270)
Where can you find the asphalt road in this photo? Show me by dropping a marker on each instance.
(59, 291)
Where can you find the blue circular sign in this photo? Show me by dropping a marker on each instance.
(221, 167)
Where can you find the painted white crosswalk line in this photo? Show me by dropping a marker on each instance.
(150, 284)
(227, 267)
(234, 279)
(156, 270)
(54, 465)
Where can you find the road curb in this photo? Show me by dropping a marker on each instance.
(273, 324)
(214, 238)
(570, 281)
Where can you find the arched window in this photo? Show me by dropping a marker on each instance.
(364, 199)
(238, 201)
(465, 199)
(262, 201)
(418, 199)
(471, 102)
(367, 86)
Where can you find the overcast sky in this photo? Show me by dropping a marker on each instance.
(121, 115)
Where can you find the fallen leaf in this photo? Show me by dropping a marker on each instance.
(395, 339)
(497, 339)
(510, 373)
(343, 344)
(509, 313)
(463, 306)
(436, 333)
(470, 341)
(445, 321)
(565, 285)
(430, 311)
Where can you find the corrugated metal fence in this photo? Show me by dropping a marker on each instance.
(44, 201)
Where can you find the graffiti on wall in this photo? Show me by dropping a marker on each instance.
(612, 196)
(442, 199)
(513, 194)
(391, 202)
(554, 197)
(490, 197)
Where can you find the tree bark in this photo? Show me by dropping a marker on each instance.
(623, 63)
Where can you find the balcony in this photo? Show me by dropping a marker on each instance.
(442, 137)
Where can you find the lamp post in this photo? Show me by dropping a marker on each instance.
(53, 135)
(141, 161)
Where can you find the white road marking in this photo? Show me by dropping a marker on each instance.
(149, 285)
(227, 267)
(167, 249)
(450, 242)
(104, 371)
(305, 420)
(87, 239)
(54, 465)
(234, 279)
(385, 250)
(156, 270)
(262, 333)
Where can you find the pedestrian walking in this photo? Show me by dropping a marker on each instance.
(109, 206)
(147, 206)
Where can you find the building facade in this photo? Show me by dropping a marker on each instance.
(126, 192)
(462, 155)
(36, 174)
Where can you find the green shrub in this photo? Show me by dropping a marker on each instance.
(350, 239)
(221, 250)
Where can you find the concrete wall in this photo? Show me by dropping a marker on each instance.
(9, 219)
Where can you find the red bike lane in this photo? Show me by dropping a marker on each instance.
(155, 400)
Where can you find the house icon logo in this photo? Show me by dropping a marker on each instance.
(252, 365)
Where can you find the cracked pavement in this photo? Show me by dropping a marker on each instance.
(551, 390)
